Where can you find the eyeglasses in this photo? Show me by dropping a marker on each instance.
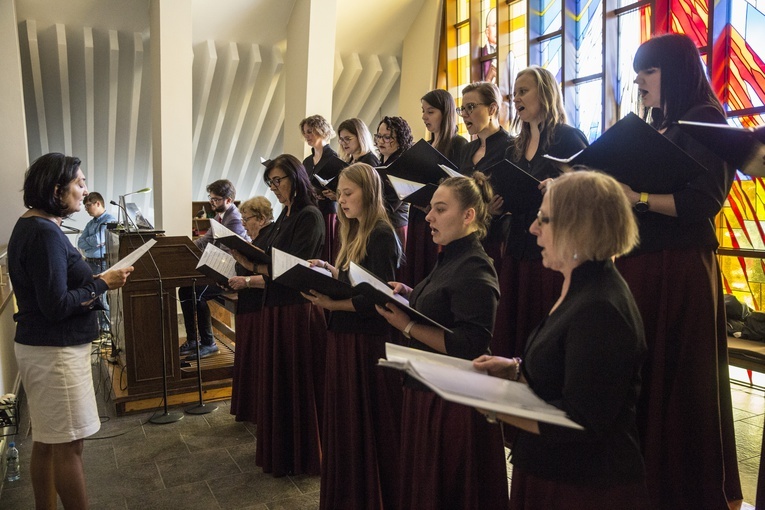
(542, 219)
(385, 138)
(468, 108)
(248, 218)
(215, 200)
(275, 181)
(346, 139)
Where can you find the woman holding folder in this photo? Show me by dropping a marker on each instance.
(481, 104)
(292, 337)
(362, 406)
(325, 163)
(685, 413)
(258, 220)
(451, 457)
(528, 289)
(393, 137)
(440, 118)
(584, 358)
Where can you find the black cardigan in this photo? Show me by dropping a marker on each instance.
(328, 167)
(585, 358)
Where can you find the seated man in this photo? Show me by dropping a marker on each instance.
(92, 243)
(221, 194)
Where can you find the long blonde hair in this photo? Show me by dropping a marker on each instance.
(554, 114)
(355, 232)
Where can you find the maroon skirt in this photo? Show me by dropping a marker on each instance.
(331, 240)
(451, 456)
(290, 389)
(243, 402)
(362, 425)
(684, 414)
(528, 292)
(528, 492)
(421, 251)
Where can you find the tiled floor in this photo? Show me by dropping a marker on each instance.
(208, 462)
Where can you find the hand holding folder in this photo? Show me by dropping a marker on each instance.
(232, 240)
(298, 274)
(217, 264)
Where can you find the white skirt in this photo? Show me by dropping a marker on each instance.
(58, 382)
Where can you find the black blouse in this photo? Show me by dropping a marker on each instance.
(300, 234)
(251, 299)
(566, 141)
(328, 167)
(369, 158)
(697, 203)
(496, 145)
(585, 358)
(461, 293)
(398, 211)
(383, 254)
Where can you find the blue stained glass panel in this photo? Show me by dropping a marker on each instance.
(552, 56)
(589, 37)
(549, 16)
(589, 108)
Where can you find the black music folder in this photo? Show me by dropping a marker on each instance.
(636, 154)
(296, 273)
(321, 183)
(518, 188)
(381, 294)
(743, 148)
(421, 163)
(234, 241)
(217, 264)
(414, 193)
(327, 175)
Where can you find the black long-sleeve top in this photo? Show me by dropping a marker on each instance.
(398, 211)
(50, 281)
(585, 358)
(454, 151)
(697, 203)
(383, 253)
(328, 167)
(251, 299)
(300, 234)
(496, 145)
(461, 293)
(566, 141)
(369, 158)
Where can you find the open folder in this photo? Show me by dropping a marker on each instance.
(131, 258)
(217, 264)
(327, 175)
(743, 148)
(234, 241)
(415, 193)
(636, 154)
(518, 188)
(381, 294)
(421, 163)
(296, 273)
(456, 380)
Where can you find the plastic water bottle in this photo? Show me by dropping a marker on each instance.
(13, 471)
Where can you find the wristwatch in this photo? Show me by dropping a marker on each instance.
(641, 205)
(408, 329)
(247, 281)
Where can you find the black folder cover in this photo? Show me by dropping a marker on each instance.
(420, 163)
(304, 278)
(250, 251)
(636, 154)
(329, 172)
(212, 273)
(518, 188)
(743, 148)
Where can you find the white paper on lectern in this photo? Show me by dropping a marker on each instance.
(281, 262)
(132, 257)
(218, 260)
(456, 380)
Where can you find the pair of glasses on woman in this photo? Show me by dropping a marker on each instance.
(542, 219)
(275, 181)
(384, 138)
(468, 108)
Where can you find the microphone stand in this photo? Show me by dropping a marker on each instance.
(201, 407)
(166, 416)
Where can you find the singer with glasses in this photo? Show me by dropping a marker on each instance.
(56, 293)
(221, 194)
(92, 242)
(393, 137)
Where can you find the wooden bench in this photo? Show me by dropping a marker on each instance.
(746, 354)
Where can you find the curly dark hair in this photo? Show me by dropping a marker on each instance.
(400, 130)
(45, 181)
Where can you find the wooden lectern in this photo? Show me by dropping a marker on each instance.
(140, 317)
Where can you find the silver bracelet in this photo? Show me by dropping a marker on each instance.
(518, 362)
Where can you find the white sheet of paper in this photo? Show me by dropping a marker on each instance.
(404, 187)
(218, 260)
(357, 275)
(450, 171)
(132, 257)
(281, 262)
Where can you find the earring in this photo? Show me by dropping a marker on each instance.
(576, 256)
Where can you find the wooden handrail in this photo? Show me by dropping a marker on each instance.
(741, 252)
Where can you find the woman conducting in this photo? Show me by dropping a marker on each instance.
(362, 406)
(258, 220)
(451, 457)
(56, 294)
(584, 358)
(292, 336)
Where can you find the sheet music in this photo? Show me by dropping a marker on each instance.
(357, 275)
(562, 160)
(450, 171)
(219, 230)
(132, 257)
(403, 187)
(281, 262)
(218, 260)
(321, 180)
